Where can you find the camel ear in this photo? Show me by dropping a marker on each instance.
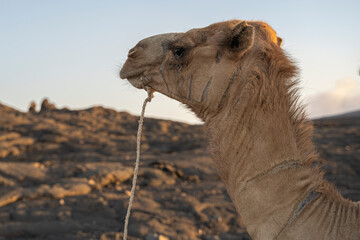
(242, 37)
(279, 41)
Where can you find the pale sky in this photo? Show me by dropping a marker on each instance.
(71, 51)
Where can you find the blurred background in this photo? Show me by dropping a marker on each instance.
(72, 51)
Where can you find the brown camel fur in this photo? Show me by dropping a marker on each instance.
(237, 79)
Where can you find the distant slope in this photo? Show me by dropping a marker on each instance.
(343, 115)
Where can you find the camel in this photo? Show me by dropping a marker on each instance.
(235, 76)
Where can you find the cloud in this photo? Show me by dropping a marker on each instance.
(344, 97)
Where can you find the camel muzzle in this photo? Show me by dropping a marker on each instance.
(148, 52)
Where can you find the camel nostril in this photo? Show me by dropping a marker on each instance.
(132, 52)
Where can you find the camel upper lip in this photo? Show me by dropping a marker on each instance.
(130, 74)
(125, 72)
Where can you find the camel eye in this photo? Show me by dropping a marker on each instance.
(179, 52)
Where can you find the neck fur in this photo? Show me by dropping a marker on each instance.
(261, 144)
(259, 117)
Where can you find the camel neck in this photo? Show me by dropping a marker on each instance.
(250, 143)
(253, 156)
(260, 160)
(261, 145)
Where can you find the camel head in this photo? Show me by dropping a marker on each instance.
(194, 67)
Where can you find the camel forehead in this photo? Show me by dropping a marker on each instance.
(213, 30)
(162, 41)
(158, 39)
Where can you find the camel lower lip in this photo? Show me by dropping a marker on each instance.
(139, 81)
(136, 82)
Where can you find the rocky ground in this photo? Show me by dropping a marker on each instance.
(67, 175)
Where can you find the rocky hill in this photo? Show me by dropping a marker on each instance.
(67, 174)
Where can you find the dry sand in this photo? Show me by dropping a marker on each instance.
(67, 175)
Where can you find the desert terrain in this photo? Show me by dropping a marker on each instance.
(66, 175)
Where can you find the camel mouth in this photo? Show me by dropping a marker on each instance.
(139, 81)
(136, 77)
(136, 82)
(125, 74)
